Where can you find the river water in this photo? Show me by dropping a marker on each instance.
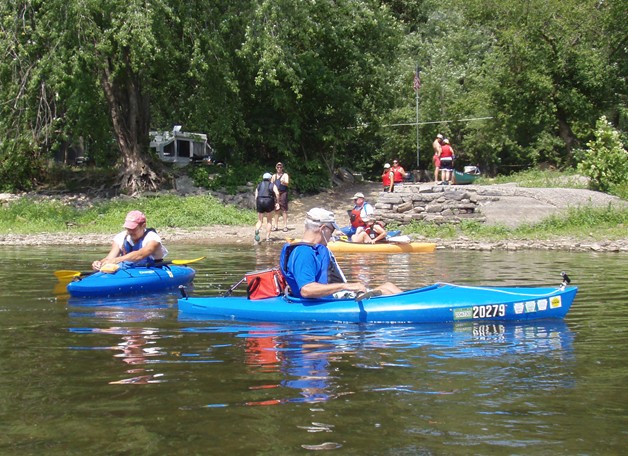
(130, 376)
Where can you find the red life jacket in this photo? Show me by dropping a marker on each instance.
(446, 151)
(386, 178)
(398, 174)
(355, 217)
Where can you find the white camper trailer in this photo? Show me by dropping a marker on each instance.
(180, 147)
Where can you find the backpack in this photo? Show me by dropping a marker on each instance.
(264, 284)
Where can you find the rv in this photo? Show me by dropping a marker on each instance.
(180, 147)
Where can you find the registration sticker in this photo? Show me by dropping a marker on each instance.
(466, 313)
(541, 304)
(555, 302)
(530, 306)
(519, 307)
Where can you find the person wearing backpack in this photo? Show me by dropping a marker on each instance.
(266, 203)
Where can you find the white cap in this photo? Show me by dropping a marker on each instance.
(358, 195)
(267, 176)
(439, 136)
(387, 165)
(322, 216)
(446, 141)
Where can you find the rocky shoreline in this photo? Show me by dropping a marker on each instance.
(234, 235)
(499, 204)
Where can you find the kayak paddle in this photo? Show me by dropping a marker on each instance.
(65, 275)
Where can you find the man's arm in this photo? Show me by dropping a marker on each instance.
(319, 290)
(147, 249)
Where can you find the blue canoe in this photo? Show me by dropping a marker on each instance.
(132, 280)
(438, 303)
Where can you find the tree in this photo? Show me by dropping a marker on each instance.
(320, 71)
(606, 160)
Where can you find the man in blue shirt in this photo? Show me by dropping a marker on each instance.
(311, 269)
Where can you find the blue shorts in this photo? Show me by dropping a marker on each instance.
(348, 230)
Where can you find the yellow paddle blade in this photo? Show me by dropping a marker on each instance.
(67, 275)
(188, 261)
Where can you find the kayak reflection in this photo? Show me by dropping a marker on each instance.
(291, 363)
(136, 348)
(125, 308)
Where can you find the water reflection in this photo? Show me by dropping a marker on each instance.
(293, 364)
(124, 309)
(136, 349)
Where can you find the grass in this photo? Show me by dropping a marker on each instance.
(581, 223)
(536, 178)
(32, 216)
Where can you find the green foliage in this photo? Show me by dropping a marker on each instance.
(44, 216)
(20, 169)
(606, 160)
(316, 84)
(228, 178)
(309, 177)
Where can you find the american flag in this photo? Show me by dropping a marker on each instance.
(417, 81)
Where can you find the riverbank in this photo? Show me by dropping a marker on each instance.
(505, 205)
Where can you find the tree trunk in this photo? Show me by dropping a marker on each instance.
(131, 120)
(566, 134)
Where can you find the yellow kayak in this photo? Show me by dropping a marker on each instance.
(383, 247)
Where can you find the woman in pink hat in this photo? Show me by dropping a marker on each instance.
(136, 244)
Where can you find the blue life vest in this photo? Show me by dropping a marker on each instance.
(127, 248)
(330, 272)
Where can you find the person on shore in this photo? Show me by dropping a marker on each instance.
(388, 179)
(310, 268)
(373, 232)
(437, 145)
(282, 182)
(447, 162)
(399, 174)
(360, 209)
(136, 244)
(266, 202)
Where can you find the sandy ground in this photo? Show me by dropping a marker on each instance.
(508, 205)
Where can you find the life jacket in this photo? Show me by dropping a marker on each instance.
(330, 271)
(356, 216)
(386, 178)
(280, 186)
(371, 232)
(398, 176)
(446, 152)
(127, 247)
(265, 190)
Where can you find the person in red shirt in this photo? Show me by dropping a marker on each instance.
(447, 162)
(388, 179)
(398, 171)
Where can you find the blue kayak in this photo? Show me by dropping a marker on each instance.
(438, 303)
(131, 280)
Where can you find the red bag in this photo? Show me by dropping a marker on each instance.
(265, 284)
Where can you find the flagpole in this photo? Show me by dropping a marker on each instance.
(418, 154)
(417, 85)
